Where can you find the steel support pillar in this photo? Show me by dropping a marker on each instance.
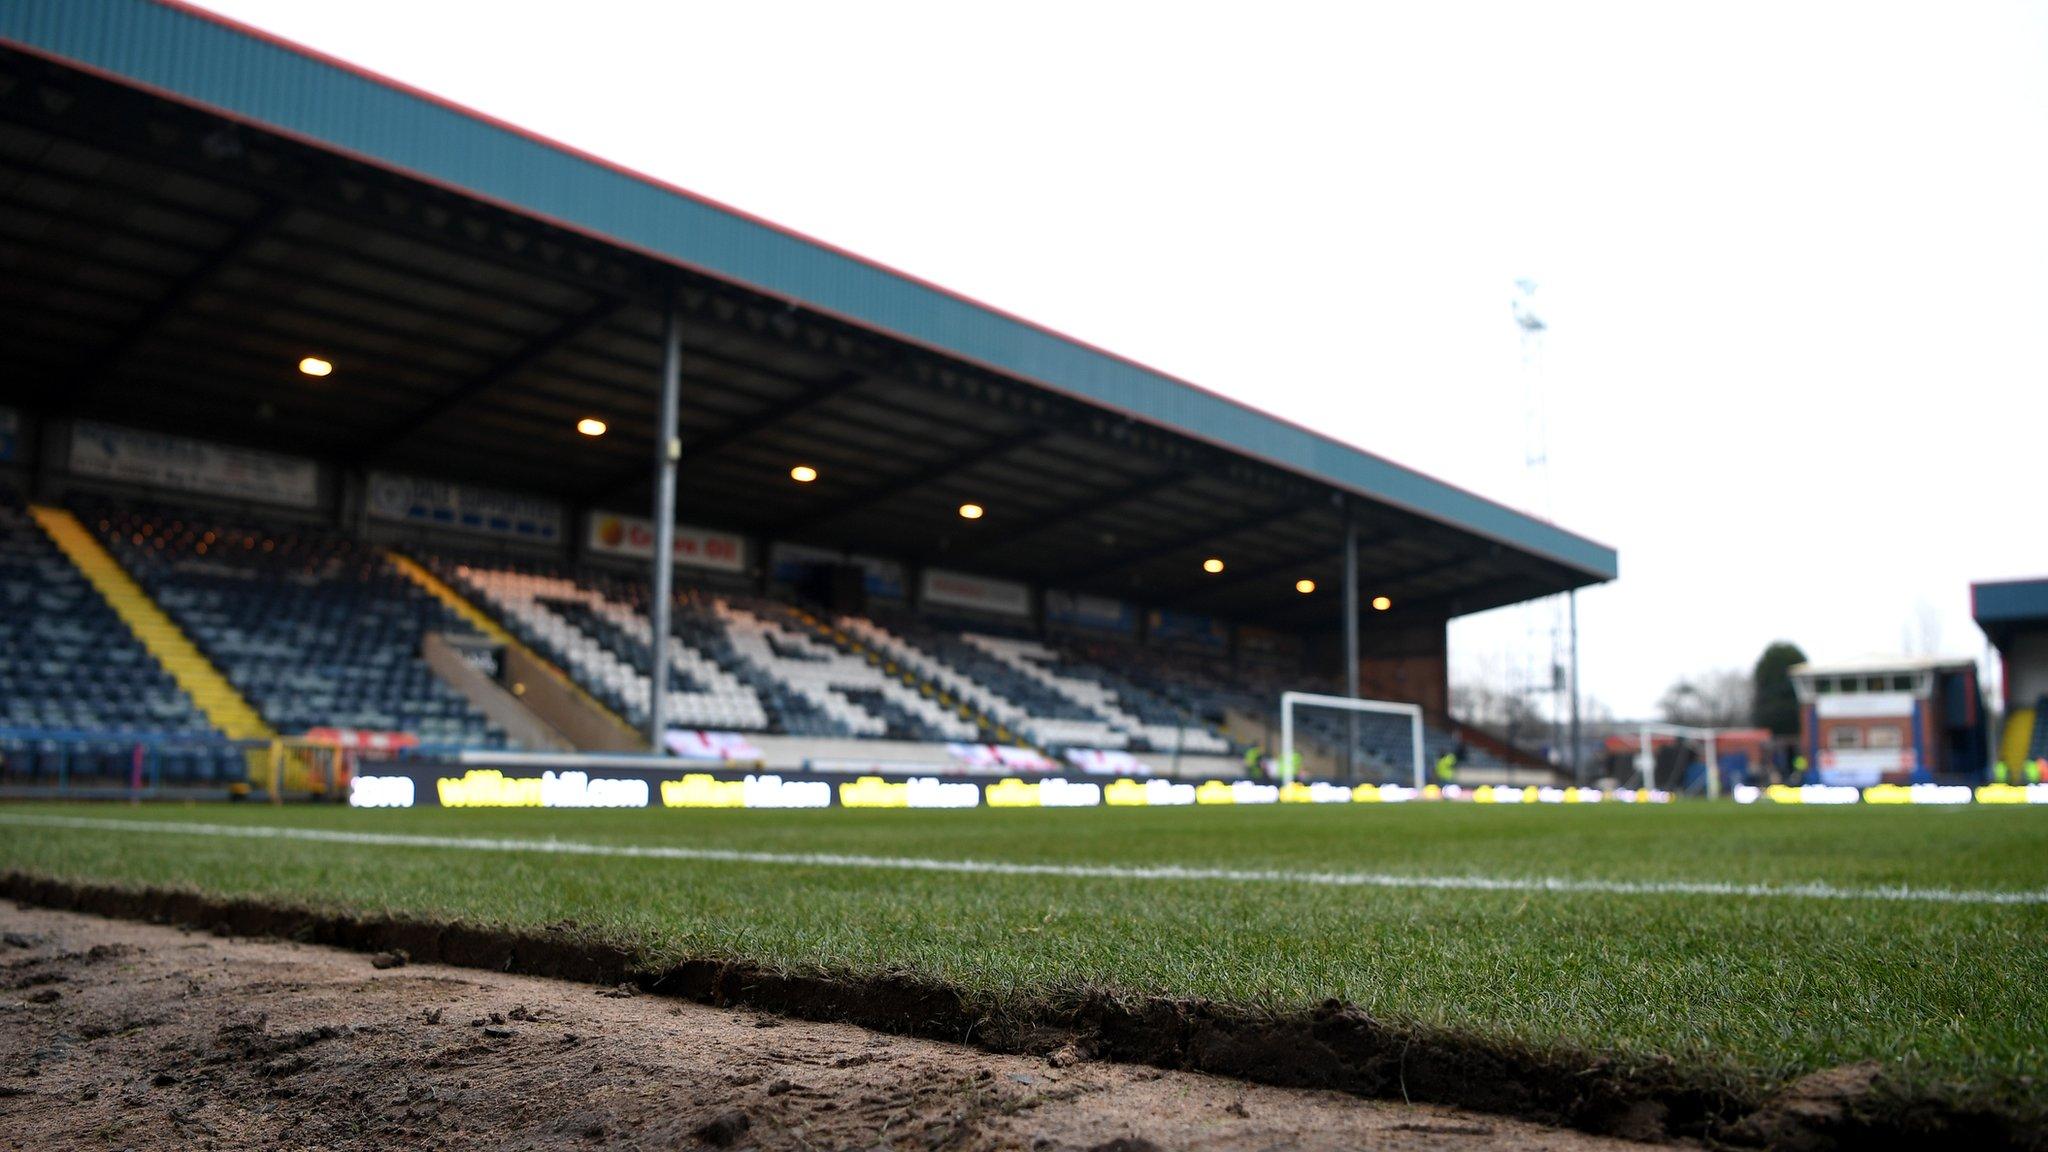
(1350, 640)
(668, 449)
(1578, 775)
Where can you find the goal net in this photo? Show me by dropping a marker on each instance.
(1290, 701)
(1646, 754)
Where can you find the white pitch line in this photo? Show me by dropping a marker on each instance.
(1168, 872)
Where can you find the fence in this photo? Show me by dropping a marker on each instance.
(134, 763)
(35, 761)
(293, 766)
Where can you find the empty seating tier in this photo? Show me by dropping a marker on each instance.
(78, 690)
(66, 660)
(735, 662)
(314, 628)
(592, 625)
(1030, 688)
(861, 697)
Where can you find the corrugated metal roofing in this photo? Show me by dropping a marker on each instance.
(202, 58)
(2010, 601)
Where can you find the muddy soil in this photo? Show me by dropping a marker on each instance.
(116, 1034)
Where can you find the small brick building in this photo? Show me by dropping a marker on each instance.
(1891, 720)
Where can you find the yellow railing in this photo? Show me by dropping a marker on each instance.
(2019, 736)
(483, 622)
(216, 699)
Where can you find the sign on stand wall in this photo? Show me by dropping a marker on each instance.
(156, 460)
(979, 593)
(438, 504)
(611, 534)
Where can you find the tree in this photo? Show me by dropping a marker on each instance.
(1921, 635)
(1718, 699)
(1507, 715)
(1776, 706)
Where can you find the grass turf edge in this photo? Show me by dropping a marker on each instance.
(1334, 1046)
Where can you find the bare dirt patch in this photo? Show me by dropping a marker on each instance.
(161, 1037)
(1336, 1046)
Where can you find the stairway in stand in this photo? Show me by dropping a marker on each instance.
(222, 705)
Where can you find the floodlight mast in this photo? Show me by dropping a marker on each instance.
(1536, 467)
(1646, 757)
(1535, 413)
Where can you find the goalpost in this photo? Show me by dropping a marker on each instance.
(1646, 755)
(1288, 700)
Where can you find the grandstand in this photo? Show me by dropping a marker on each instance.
(315, 629)
(2014, 615)
(338, 407)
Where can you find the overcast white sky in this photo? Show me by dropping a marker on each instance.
(1794, 256)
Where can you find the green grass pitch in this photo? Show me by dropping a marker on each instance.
(1953, 995)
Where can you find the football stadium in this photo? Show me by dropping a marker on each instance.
(499, 651)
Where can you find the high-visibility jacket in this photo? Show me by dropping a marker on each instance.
(1444, 766)
(1998, 772)
(2034, 768)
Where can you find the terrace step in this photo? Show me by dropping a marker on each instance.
(224, 706)
(560, 704)
(990, 727)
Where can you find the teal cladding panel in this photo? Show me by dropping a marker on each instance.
(204, 60)
(2010, 602)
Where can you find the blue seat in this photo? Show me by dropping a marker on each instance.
(314, 628)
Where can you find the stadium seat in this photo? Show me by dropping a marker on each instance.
(318, 630)
(1054, 702)
(861, 697)
(78, 692)
(593, 626)
(313, 628)
(736, 662)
